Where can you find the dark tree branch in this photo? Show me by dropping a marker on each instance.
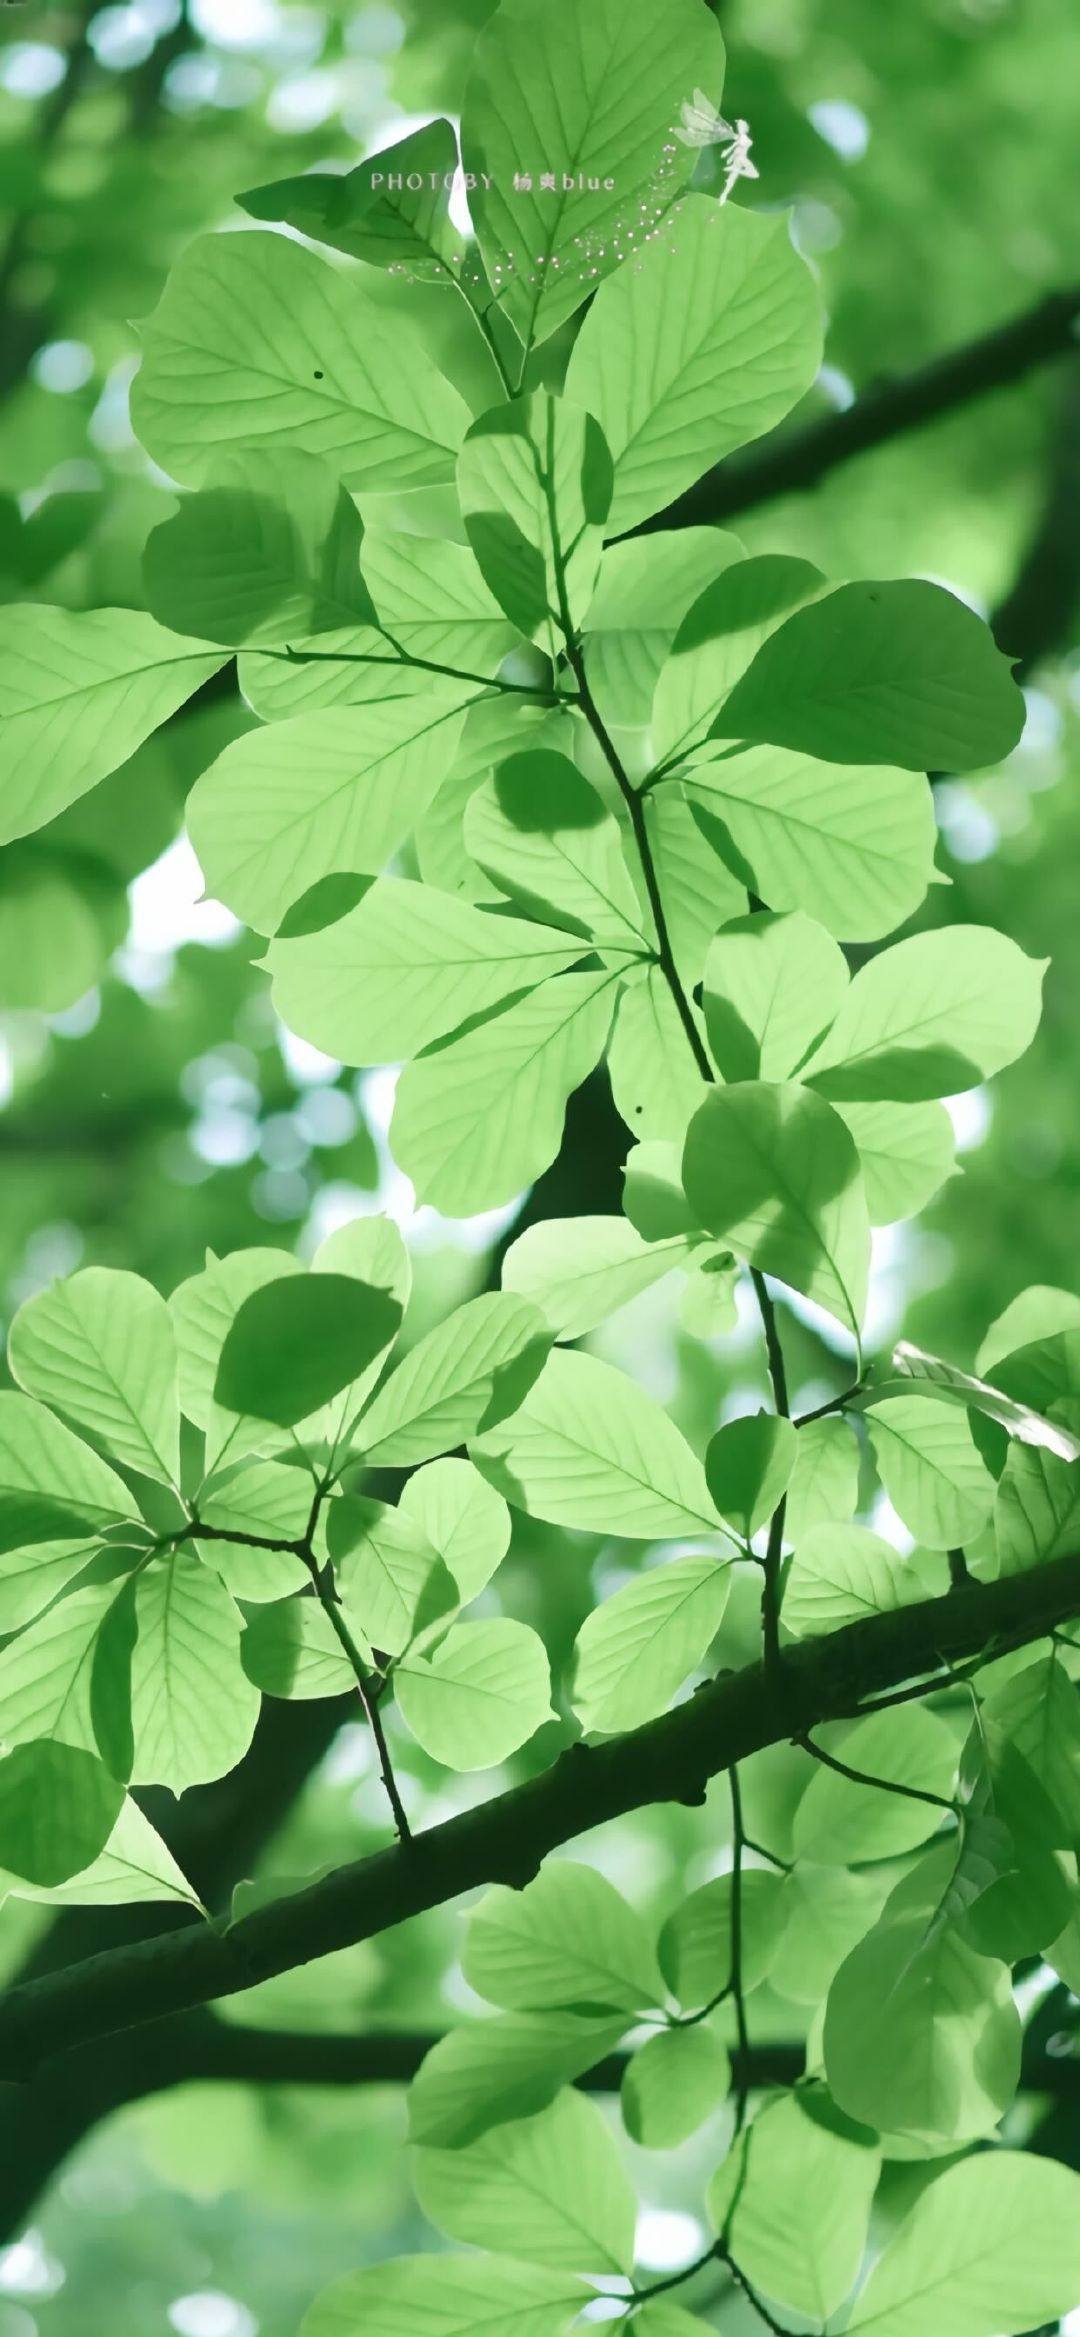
(198, 2047)
(796, 459)
(505, 1840)
(1036, 619)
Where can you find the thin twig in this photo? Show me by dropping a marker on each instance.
(427, 665)
(835, 1404)
(724, 2256)
(742, 2091)
(369, 1684)
(770, 1599)
(862, 1776)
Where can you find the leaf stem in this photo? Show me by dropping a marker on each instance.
(724, 2256)
(835, 1404)
(672, 2280)
(738, 1996)
(771, 1594)
(369, 1684)
(427, 665)
(937, 1801)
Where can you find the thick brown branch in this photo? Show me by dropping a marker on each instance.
(797, 459)
(670, 1759)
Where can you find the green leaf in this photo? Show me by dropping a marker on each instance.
(1032, 1730)
(922, 2036)
(773, 1169)
(643, 592)
(706, 341)
(462, 1518)
(447, 2296)
(368, 1250)
(839, 1823)
(268, 553)
(100, 1347)
(588, 1448)
(1063, 1953)
(931, 1469)
(193, 1711)
(822, 1912)
(840, 1573)
(298, 1341)
(256, 340)
(580, 1270)
(359, 212)
(134, 1868)
(203, 1310)
(321, 795)
(462, 1377)
(433, 603)
(549, 2189)
(51, 1484)
(1018, 1895)
(695, 1943)
(1036, 1314)
(392, 1578)
(930, 1017)
(655, 1074)
(407, 966)
(697, 890)
(794, 2202)
(717, 639)
(45, 1674)
(79, 691)
(291, 1649)
(1044, 1372)
(989, 2249)
(653, 1196)
(900, 673)
(497, 727)
(906, 1152)
(748, 1467)
(585, 95)
(772, 986)
(508, 2067)
(855, 848)
(635, 1650)
(485, 1691)
(540, 830)
(433, 606)
(672, 2084)
(568, 1940)
(1037, 1506)
(58, 1807)
(950, 1385)
(825, 1480)
(709, 1308)
(534, 478)
(662, 2319)
(482, 1117)
(31, 1578)
(260, 1497)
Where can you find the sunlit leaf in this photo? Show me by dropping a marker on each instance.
(706, 340)
(901, 673)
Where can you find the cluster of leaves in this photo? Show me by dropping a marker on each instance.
(650, 786)
(511, 2159)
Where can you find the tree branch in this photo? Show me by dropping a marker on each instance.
(505, 1840)
(796, 459)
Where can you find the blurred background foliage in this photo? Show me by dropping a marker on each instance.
(153, 1108)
